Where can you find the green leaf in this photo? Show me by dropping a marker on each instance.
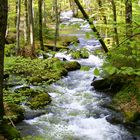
(96, 72)
(110, 70)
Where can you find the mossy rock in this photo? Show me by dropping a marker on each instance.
(14, 112)
(67, 40)
(9, 132)
(51, 47)
(131, 116)
(73, 65)
(40, 101)
(34, 79)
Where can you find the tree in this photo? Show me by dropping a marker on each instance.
(3, 25)
(40, 24)
(91, 25)
(57, 17)
(26, 25)
(17, 26)
(115, 21)
(128, 18)
(31, 26)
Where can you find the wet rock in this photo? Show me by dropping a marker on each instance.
(73, 65)
(114, 119)
(101, 84)
(112, 85)
(30, 114)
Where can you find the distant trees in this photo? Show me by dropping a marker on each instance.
(90, 21)
(3, 25)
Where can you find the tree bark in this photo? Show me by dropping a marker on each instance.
(115, 22)
(3, 25)
(31, 27)
(40, 24)
(128, 17)
(91, 25)
(57, 17)
(26, 26)
(17, 27)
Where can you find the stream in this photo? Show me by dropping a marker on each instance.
(77, 111)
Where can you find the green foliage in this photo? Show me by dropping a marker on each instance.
(85, 68)
(96, 72)
(82, 53)
(9, 132)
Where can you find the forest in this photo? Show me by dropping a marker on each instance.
(69, 70)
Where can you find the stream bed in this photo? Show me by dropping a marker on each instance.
(77, 111)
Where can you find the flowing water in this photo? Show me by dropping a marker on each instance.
(76, 111)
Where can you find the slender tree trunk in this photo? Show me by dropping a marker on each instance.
(57, 15)
(16, 7)
(3, 25)
(17, 27)
(91, 25)
(128, 18)
(115, 22)
(26, 26)
(45, 14)
(40, 24)
(31, 27)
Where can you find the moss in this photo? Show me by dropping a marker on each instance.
(127, 100)
(40, 101)
(9, 132)
(73, 65)
(14, 112)
(131, 116)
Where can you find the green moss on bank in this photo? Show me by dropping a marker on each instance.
(128, 101)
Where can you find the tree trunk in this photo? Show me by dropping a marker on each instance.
(17, 27)
(128, 18)
(91, 25)
(115, 22)
(3, 25)
(31, 27)
(26, 26)
(40, 24)
(57, 18)
(45, 14)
